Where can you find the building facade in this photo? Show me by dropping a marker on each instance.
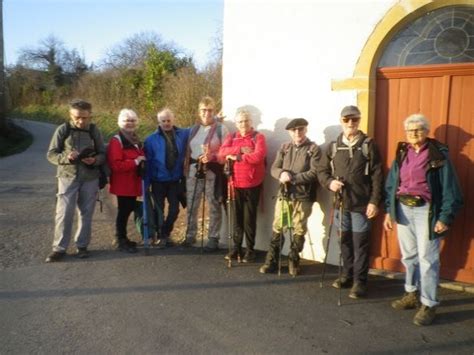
(391, 58)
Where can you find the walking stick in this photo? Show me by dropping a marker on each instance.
(146, 236)
(198, 176)
(341, 216)
(282, 214)
(230, 209)
(202, 168)
(331, 223)
(289, 210)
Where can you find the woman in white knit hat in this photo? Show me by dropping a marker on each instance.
(124, 155)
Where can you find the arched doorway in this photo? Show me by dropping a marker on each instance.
(428, 66)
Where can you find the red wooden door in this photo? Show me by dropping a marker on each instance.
(445, 95)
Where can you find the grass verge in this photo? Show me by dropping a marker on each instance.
(16, 140)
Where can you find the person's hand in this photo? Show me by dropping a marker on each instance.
(73, 155)
(231, 157)
(246, 150)
(89, 160)
(336, 185)
(139, 159)
(440, 227)
(285, 177)
(387, 222)
(205, 158)
(372, 211)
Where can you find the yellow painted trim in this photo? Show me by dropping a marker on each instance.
(364, 80)
(349, 84)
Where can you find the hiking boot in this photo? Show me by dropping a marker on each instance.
(409, 300)
(343, 282)
(130, 243)
(233, 255)
(267, 268)
(188, 242)
(160, 244)
(359, 290)
(126, 248)
(249, 256)
(425, 315)
(55, 256)
(293, 267)
(212, 245)
(82, 253)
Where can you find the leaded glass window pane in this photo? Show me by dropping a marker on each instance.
(442, 36)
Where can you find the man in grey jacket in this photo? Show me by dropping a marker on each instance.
(295, 168)
(77, 148)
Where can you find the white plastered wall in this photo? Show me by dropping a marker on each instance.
(280, 57)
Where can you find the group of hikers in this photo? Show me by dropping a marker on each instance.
(186, 165)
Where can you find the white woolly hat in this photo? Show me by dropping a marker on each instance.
(124, 115)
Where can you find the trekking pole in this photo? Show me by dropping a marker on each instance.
(283, 191)
(202, 168)
(198, 176)
(331, 223)
(230, 210)
(146, 236)
(341, 216)
(289, 211)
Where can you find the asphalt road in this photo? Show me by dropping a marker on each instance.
(179, 300)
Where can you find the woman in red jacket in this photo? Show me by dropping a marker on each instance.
(247, 150)
(124, 154)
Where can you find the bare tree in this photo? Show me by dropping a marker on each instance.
(133, 51)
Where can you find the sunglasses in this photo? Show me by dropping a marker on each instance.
(353, 119)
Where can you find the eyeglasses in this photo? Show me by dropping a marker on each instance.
(415, 131)
(353, 119)
(299, 129)
(242, 121)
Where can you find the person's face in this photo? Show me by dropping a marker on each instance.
(206, 114)
(416, 134)
(350, 126)
(244, 124)
(130, 124)
(80, 118)
(166, 122)
(298, 134)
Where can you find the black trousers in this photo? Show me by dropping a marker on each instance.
(245, 221)
(170, 192)
(126, 205)
(355, 253)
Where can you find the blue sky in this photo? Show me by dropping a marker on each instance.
(92, 26)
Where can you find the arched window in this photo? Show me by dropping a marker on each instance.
(442, 36)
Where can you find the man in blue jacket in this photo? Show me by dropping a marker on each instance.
(165, 150)
(422, 196)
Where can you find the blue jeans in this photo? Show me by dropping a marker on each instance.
(355, 243)
(420, 255)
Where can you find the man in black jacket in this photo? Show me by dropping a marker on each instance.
(295, 167)
(351, 167)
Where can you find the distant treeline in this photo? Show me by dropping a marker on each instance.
(141, 73)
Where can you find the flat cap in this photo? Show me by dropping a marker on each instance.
(296, 122)
(350, 111)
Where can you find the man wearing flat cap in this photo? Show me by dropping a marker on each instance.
(352, 169)
(295, 168)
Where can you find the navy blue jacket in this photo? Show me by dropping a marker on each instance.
(155, 152)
